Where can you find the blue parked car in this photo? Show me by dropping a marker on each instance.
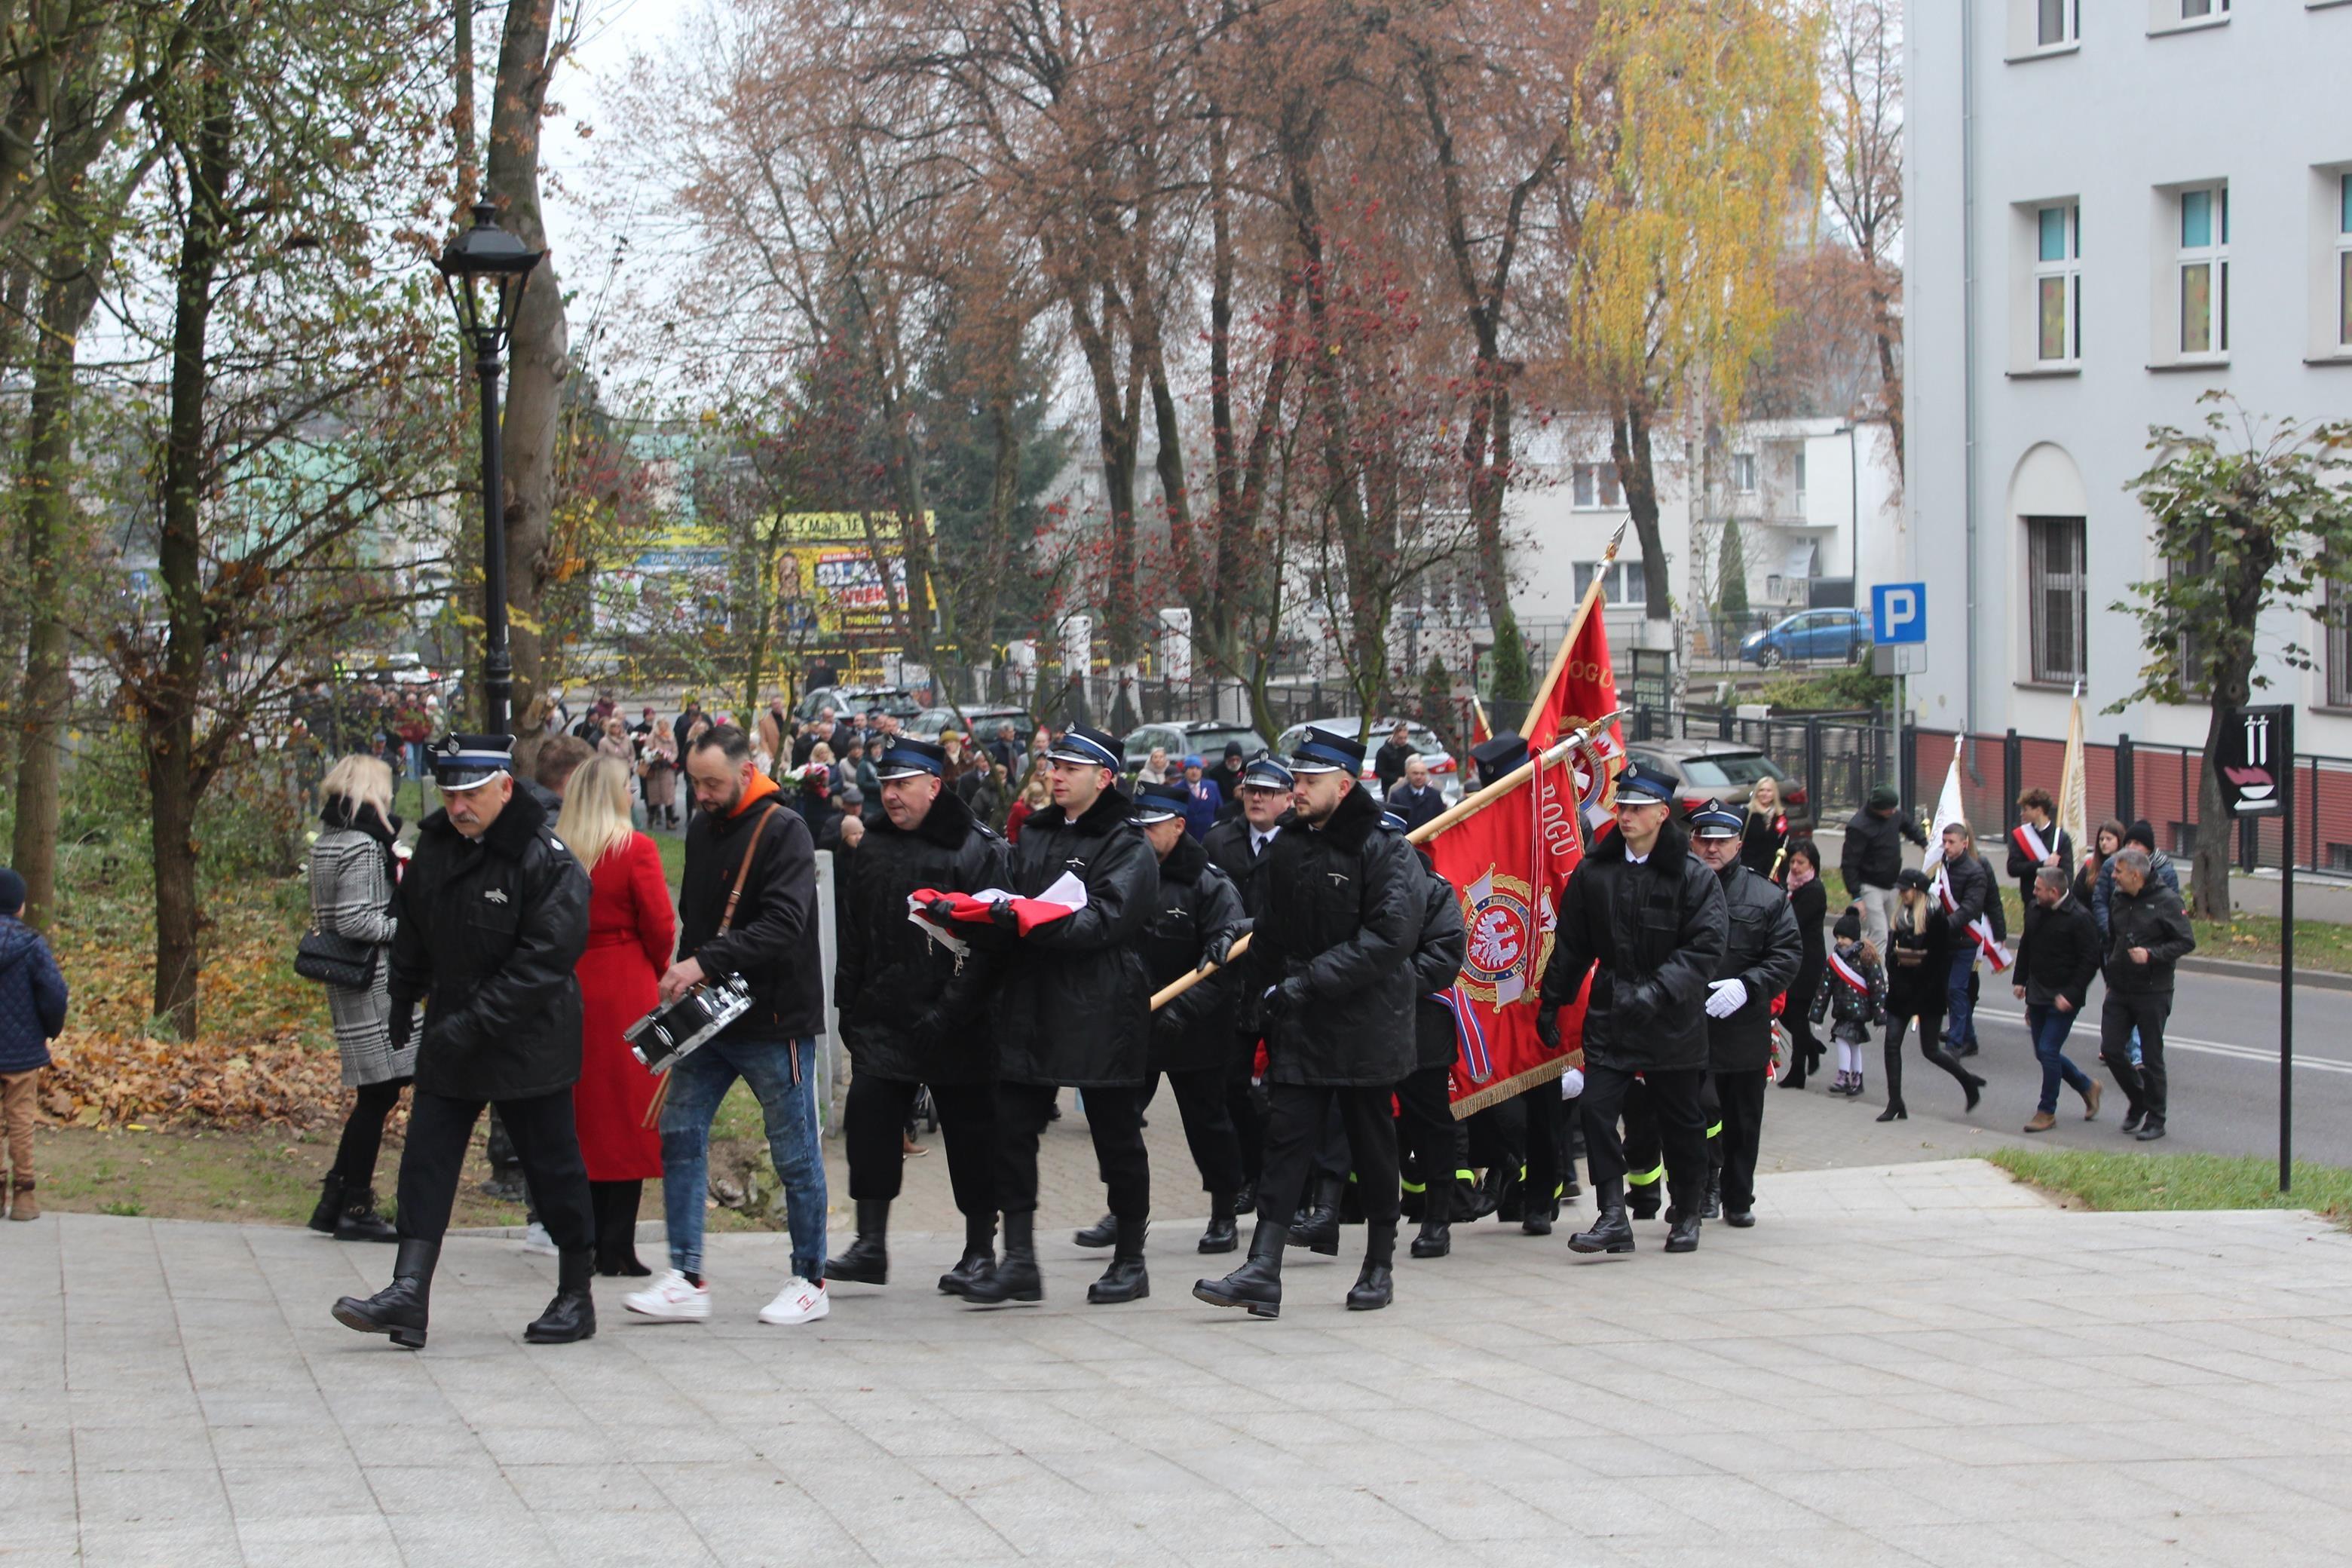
(1808, 633)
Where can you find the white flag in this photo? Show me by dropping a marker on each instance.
(2073, 795)
(1949, 809)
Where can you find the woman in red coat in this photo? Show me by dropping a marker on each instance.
(631, 930)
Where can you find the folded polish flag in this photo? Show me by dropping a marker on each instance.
(1064, 897)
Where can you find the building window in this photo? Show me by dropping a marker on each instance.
(2055, 22)
(1743, 472)
(1596, 488)
(2055, 597)
(1801, 479)
(2343, 260)
(2340, 646)
(2058, 283)
(2204, 268)
(1622, 584)
(2196, 10)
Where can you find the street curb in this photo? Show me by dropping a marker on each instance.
(2319, 979)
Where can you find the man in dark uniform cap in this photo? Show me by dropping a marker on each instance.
(1332, 952)
(1760, 958)
(1647, 917)
(491, 917)
(1076, 1009)
(1193, 924)
(1238, 845)
(912, 1011)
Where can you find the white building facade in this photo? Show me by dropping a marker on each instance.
(2113, 205)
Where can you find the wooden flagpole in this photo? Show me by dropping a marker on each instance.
(1468, 805)
(1583, 611)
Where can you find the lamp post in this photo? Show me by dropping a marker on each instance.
(485, 270)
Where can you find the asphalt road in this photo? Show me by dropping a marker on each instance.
(2222, 1052)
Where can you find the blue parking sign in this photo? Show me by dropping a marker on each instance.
(1899, 612)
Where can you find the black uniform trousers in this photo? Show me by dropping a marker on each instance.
(1245, 1105)
(1297, 1116)
(1672, 1096)
(2147, 1085)
(874, 1123)
(1739, 1099)
(1645, 1157)
(1114, 1116)
(1207, 1125)
(1548, 1164)
(546, 1142)
(1440, 1144)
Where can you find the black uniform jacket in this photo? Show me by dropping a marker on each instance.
(1763, 952)
(909, 1008)
(773, 940)
(1075, 1005)
(1437, 964)
(1228, 843)
(1196, 902)
(1657, 931)
(489, 931)
(1341, 918)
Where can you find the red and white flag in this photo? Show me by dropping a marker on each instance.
(1064, 899)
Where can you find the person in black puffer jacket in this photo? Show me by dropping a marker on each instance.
(1425, 1118)
(491, 920)
(913, 1011)
(1647, 917)
(1239, 846)
(1333, 946)
(1074, 1008)
(1760, 960)
(1918, 969)
(1193, 924)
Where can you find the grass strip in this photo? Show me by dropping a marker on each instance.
(2105, 1179)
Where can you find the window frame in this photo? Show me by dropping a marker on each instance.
(1743, 473)
(2342, 273)
(2041, 582)
(2336, 638)
(1596, 486)
(2212, 255)
(2065, 270)
(1628, 587)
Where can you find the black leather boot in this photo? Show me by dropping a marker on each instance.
(1714, 1207)
(867, 1260)
(358, 1220)
(1102, 1233)
(1537, 1218)
(1017, 1278)
(330, 1204)
(1611, 1232)
(1375, 1285)
(1221, 1235)
(570, 1315)
(1487, 1197)
(1682, 1225)
(1245, 1199)
(400, 1309)
(1125, 1279)
(1318, 1231)
(1436, 1237)
(1257, 1285)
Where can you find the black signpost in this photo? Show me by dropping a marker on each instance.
(2257, 770)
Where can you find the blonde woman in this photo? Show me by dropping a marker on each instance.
(352, 873)
(1765, 833)
(631, 930)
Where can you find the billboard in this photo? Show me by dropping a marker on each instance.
(826, 577)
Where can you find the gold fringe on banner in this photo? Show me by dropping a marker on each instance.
(1518, 1083)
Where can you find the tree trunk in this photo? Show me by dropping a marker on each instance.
(1513, 679)
(15, 304)
(49, 517)
(1890, 375)
(540, 352)
(1628, 448)
(2209, 869)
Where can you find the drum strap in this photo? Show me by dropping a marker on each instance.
(743, 871)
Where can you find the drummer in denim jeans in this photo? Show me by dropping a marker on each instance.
(747, 906)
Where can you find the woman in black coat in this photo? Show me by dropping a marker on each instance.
(1765, 835)
(1919, 965)
(1808, 902)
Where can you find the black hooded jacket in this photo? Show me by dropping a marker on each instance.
(1340, 919)
(1076, 1007)
(489, 931)
(1657, 932)
(1196, 902)
(909, 1008)
(1436, 966)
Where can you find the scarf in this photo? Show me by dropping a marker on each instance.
(356, 817)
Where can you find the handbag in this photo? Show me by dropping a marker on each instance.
(332, 959)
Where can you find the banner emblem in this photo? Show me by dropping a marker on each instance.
(1509, 942)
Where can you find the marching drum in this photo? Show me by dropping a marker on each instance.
(672, 1030)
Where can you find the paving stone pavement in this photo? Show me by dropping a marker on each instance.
(1902, 1363)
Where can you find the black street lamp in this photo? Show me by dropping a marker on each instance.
(486, 270)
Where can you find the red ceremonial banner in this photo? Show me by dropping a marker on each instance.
(1585, 689)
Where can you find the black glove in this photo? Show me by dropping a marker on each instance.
(928, 1025)
(1001, 915)
(942, 910)
(1548, 1026)
(1289, 1001)
(1215, 951)
(398, 1027)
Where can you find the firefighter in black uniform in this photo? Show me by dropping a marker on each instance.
(1238, 846)
(1761, 956)
(1193, 924)
(1332, 955)
(913, 1011)
(1647, 917)
(1425, 1120)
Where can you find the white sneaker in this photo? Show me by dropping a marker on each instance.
(798, 1302)
(672, 1296)
(536, 1239)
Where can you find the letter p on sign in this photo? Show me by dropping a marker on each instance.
(1899, 612)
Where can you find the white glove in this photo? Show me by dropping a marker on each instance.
(1572, 1084)
(1724, 997)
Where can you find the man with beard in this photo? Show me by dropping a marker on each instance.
(1193, 924)
(1332, 953)
(491, 917)
(1237, 846)
(1647, 919)
(912, 1011)
(1073, 1011)
(1760, 958)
